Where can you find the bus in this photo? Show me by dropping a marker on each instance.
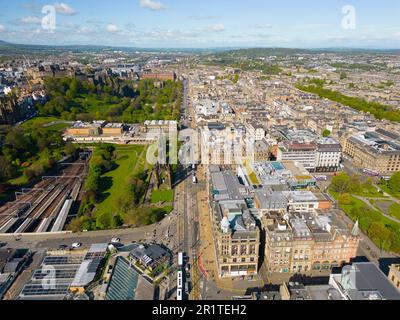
(180, 280)
(180, 259)
(179, 295)
(371, 172)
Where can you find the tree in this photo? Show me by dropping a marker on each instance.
(340, 183)
(326, 133)
(75, 225)
(379, 232)
(394, 182)
(345, 199)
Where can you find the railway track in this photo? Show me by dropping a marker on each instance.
(38, 209)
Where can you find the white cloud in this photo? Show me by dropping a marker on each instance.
(218, 27)
(64, 8)
(30, 20)
(200, 18)
(152, 5)
(263, 26)
(312, 26)
(112, 28)
(2, 28)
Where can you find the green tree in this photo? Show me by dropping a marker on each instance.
(345, 199)
(326, 133)
(380, 233)
(340, 183)
(394, 182)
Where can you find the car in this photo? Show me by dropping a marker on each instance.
(62, 247)
(76, 245)
(115, 240)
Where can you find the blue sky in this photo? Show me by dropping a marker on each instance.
(205, 23)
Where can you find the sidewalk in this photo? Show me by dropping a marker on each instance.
(207, 249)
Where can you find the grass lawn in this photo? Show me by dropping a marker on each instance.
(371, 193)
(162, 196)
(20, 181)
(41, 121)
(358, 210)
(167, 209)
(385, 188)
(394, 210)
(116, 181)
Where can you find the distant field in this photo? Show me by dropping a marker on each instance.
(117, 180)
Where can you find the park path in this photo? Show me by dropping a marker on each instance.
(387, 195)
(366, 201)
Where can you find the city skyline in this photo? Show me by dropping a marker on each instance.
(205, 24)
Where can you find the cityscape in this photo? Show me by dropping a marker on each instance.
(146, 158)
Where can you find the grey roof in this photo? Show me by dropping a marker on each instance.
(227, 185)
(370, 278)
(274, 200)
(150, 253)
(323, 292)
(365, 281)
(98, 248)
(86, 273)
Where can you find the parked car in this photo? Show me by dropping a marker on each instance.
(62, 247)
(115, 240)
(76, 245)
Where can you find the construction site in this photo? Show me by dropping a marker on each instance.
(48, 205)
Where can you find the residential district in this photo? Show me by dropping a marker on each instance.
(290, 189)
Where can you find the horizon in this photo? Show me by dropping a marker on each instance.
(222, 48)
(176, 24)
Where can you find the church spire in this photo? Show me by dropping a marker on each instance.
(356, 230)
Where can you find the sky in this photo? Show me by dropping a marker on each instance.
(203, 23)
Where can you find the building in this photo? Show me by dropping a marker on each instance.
(314, 152)
(394, 275)
(87, 270)
(66, 273)
(235, 231)
(329, 155)
(126, 283)
(158, 126)
(378, 151)
(163, 76)
(307, 242)
(279, 176)
(150, 257)
(255, 131)
(364, 281)
(303, 153)
(267, 200)
(96, 128)
(12, 262)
